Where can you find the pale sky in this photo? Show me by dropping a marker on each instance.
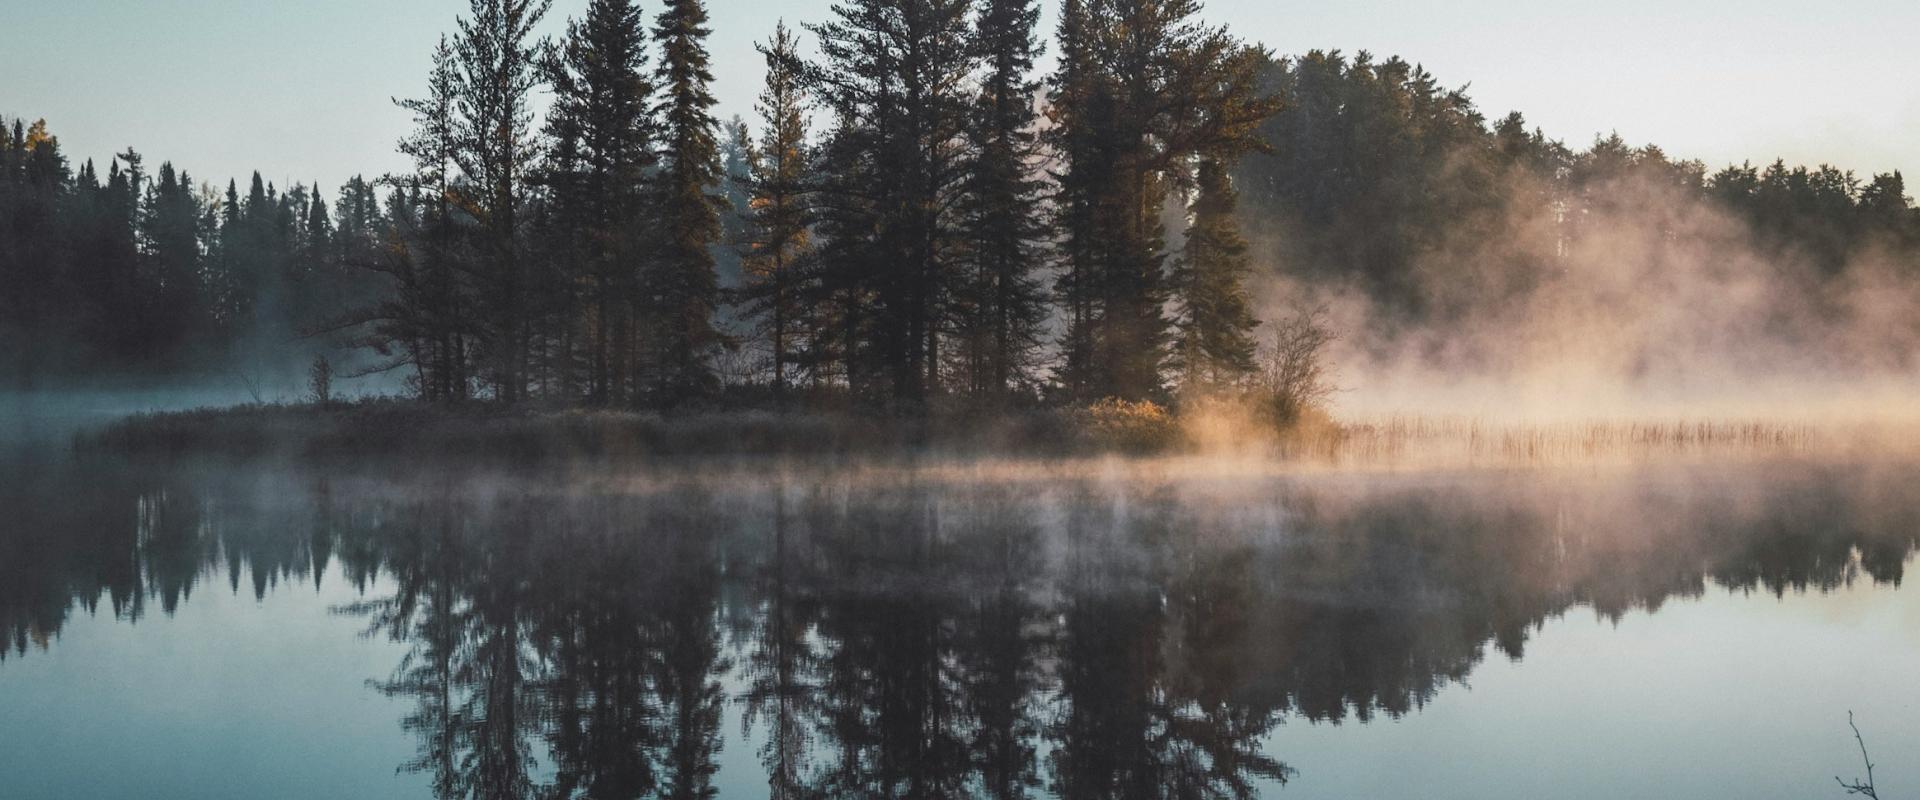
(298, 89)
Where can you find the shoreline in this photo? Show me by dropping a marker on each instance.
(407, 429)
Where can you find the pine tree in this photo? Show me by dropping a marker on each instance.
(895, 78)
(38, 297)
(1074, 107)
(602, 133)
(423, 321)
(681, 285)
(495, 70)
(170, 229)
(1143, 89)
(1214, 346)
(1003, 303)
(776, 234)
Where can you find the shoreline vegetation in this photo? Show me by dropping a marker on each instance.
(399, 427)
(1235, 428)
(934, 206)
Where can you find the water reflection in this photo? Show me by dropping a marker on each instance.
(1132, 636)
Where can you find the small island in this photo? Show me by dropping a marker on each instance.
(821, 399)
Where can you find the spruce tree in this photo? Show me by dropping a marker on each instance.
(682, 290)
(1003, 302)
(495, 68)
(424, 321)
(1214, 346)
(227, 304)
(736, 157)
(170, 229)
(602, 133)
(895, 78)
(1078, 105)
(776, 231)
(1143, 89)
(319, 228)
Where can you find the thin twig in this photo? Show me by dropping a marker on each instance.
(252, 388)
(1865, 789)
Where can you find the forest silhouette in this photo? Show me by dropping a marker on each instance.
(920, 217)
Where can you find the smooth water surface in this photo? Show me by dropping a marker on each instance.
(1093, 629)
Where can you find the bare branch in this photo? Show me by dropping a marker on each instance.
(1864, 789)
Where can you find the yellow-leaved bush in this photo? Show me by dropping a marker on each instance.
(1129, 425)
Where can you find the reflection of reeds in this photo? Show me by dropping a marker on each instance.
(1403, 436)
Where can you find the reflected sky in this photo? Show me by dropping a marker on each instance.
(216, 631)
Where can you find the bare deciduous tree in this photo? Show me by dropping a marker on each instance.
(1294, 369)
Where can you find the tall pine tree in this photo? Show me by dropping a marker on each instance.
(1143, 89)
(495, 60)
(1002, 303)
(602, 133)
(1214, 347)
(895, 76)
(681, 285)
(777, 234)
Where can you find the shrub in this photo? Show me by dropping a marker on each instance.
(1294, 376)
(1142, 426)
(320, 381)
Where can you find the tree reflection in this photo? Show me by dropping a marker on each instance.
(913, 637)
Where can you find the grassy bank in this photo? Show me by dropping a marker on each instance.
(408, 429)
(411, 429)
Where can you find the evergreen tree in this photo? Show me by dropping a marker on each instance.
(602, 133)
(122, 326)
(226, 303)
(1003, 303)
(894, 77)
(1886, 210)
(682, 288)
(423, 321)
(38, 298)
(776, 234)
(736, 165)
(1073, 93)
(319, 228)
(357, 212)
(1215, 346)
(494, 68)
(170, 230)
(1143, 89)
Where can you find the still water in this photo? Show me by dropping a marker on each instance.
(1086, 629)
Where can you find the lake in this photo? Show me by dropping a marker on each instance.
(1096, 628)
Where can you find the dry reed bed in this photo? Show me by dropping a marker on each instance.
(1404, 436)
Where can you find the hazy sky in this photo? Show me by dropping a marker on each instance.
(298, 89)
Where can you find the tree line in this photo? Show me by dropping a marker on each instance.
(916, 216)
(907, 252)
(139, 269)
(1382, 178)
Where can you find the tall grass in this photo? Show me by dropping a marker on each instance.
(1216, 427)
(1480, 440)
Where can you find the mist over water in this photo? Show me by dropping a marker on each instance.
(1479, 267)
(1613, 495)
(1065, 629)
